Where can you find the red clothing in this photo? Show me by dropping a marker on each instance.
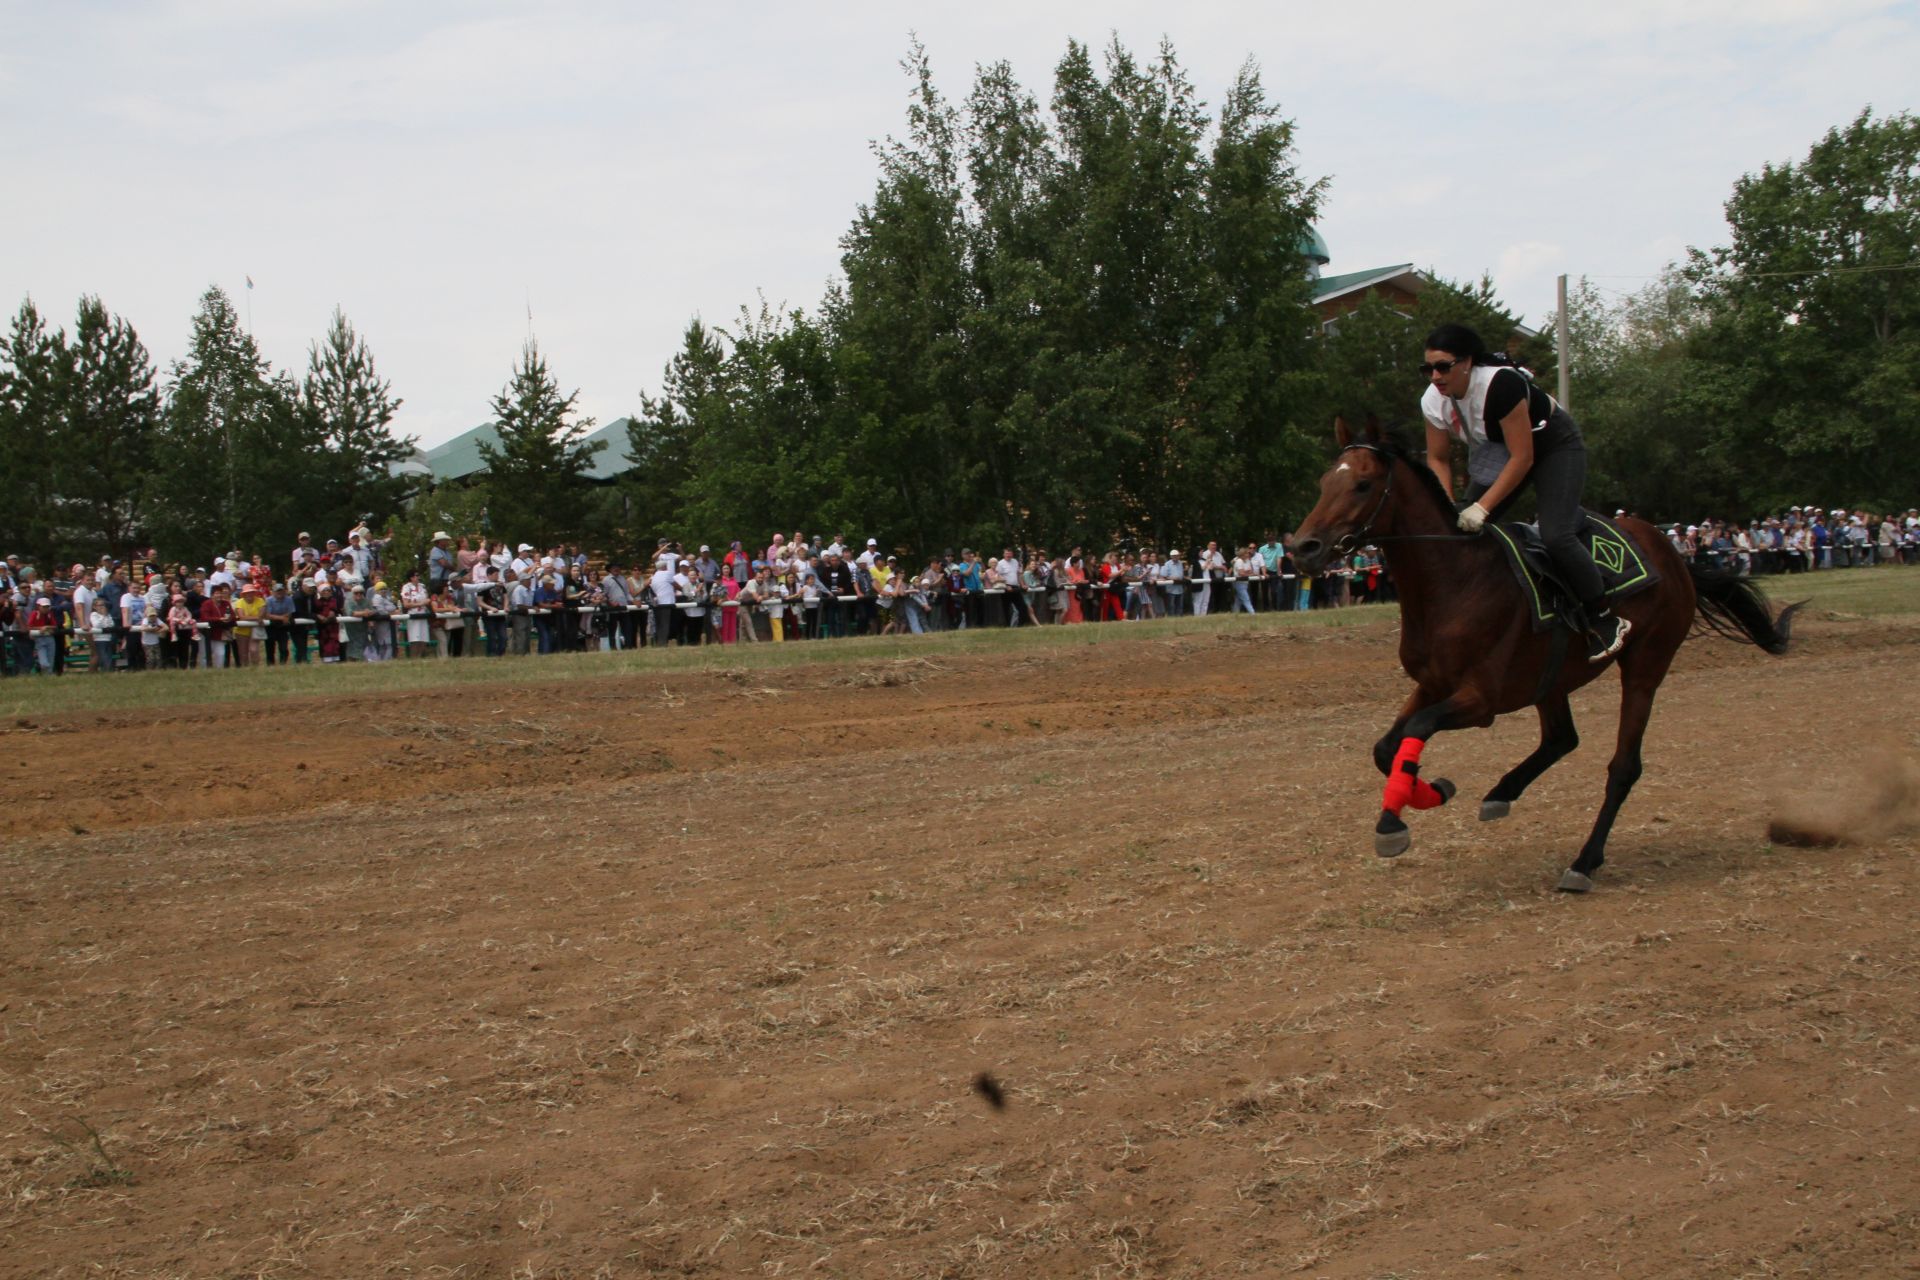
(218, 615)
(39, 619)
(326, 611)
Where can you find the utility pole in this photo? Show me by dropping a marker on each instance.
(1560, 342)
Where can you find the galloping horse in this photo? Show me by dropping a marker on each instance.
(1467, 639)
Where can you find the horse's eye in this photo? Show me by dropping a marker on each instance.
(1362, 486)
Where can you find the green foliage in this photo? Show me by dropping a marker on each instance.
(231, 459)
(537, 473)
(1077, 326)
(347, 408)
(234, 456)
(464, 510)
(31, 410)
(107, 435)
(1780, 369)
(1817, 316)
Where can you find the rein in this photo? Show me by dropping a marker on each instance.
(1348, 542)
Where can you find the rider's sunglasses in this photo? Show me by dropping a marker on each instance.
(1438, 366)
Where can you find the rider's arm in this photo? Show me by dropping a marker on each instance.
(1440, 456)
(1517, 430)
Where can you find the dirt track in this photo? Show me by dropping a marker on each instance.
(690, 975)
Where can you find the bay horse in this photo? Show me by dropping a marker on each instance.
(1468, 641)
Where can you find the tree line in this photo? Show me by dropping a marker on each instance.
(1087, 321)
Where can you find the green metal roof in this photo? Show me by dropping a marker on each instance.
(460, 457)
(1329, 286)
(613, 460)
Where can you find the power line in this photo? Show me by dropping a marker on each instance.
(1768, 275)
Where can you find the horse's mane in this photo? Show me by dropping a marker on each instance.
(1396, 450)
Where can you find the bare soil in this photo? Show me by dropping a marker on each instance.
(695, 975)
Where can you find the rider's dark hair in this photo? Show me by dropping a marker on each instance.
(1459, 340)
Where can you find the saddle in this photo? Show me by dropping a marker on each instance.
(1623, 570)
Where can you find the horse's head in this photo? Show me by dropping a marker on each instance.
(1352, 494)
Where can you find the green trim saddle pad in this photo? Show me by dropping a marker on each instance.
(1624, 570)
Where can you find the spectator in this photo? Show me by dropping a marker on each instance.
(217, 613)
(413, 602)
(249, 615)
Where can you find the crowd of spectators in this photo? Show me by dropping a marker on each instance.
(343, 602)
(1801, 540)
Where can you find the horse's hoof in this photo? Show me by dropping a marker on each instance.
(1390, 836)
(1494, 810)
(1446, 788)
(1572, 881)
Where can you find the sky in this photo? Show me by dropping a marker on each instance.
(456, 175)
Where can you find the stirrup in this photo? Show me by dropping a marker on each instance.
(1600, 647)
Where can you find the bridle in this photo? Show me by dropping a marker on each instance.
(1364, 535)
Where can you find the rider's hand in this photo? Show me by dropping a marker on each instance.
(1473, 517)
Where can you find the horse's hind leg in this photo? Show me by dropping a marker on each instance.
(1557, 740)
(1638, 682)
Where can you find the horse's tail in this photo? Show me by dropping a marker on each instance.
(1734, 607)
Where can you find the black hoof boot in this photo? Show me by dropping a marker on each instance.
(1390, 836)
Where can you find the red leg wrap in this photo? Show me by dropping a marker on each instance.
(1404, 786)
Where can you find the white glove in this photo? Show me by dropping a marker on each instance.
(1473, 517)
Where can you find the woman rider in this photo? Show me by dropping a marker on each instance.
(1514, 433)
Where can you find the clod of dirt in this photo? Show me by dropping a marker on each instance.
(989, 1088)
(1876, 798)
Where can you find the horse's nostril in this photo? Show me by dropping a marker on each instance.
(1306, 546)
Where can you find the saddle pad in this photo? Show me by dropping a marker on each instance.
(1624, 571)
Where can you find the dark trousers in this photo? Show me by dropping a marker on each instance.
(279, 641)
(496, 625)
(1557, 479)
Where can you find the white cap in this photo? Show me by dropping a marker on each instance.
(525, 546)
(873, 542)
(705, 548)
(440, 535)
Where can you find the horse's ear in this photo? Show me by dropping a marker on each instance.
(1372, 431)
(1341, 436)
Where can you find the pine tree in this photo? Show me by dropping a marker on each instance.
(537, 473)
(350, 409)
(106, 436)
(30, 411)
(231, 464)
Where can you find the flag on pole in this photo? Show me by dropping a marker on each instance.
(249, 282)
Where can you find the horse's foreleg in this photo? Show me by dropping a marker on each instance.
(1558, 738)
(1398, 756)
(1636, 706)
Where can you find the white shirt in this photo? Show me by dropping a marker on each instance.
(1008, 571)
(662, 582)
(682, 583)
